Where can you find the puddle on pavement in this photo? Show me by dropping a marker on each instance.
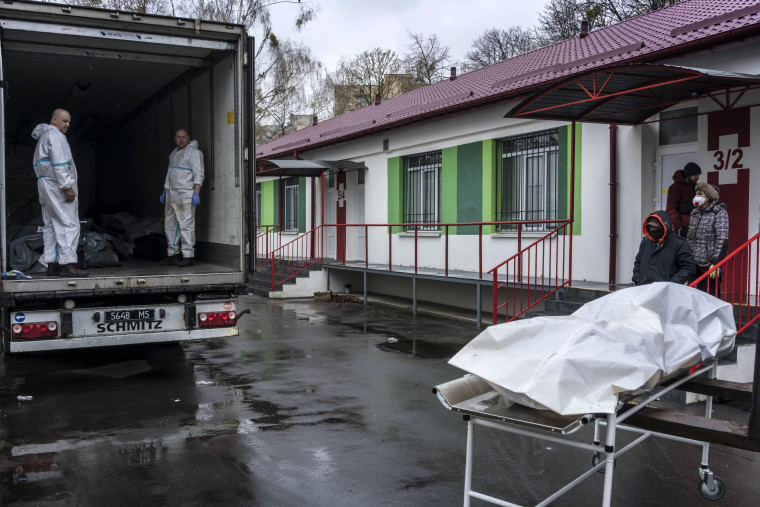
(421, 348)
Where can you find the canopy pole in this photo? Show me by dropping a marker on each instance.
(613, 204)
(572, 203)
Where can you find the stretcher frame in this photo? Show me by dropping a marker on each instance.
(477, 400)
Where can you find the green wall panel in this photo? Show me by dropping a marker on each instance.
(270, 202)
(565, 151)
(490, 163)
(449, 187)
(395, 192)
(469, 197)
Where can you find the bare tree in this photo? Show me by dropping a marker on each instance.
(496, 45)
(370, 73)
(427, 60)
(319, 93)
(561, 19)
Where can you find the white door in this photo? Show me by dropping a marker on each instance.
(671, 160)
(362, 235)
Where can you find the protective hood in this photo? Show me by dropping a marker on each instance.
(41, 129)
(664, 219)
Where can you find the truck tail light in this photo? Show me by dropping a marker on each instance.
(216, 319)
(35, 330)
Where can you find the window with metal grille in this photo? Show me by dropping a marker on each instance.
(423, 190)
(290, 205)
(529, 179)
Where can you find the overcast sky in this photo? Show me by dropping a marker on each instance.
(348, 27)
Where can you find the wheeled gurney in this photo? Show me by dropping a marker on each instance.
(524, 377)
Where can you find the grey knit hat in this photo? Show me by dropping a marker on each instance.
(708, 190)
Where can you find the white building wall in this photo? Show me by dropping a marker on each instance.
(637, 190)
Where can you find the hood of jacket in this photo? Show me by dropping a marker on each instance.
(664, 219)
(41, 129)
(678, 177)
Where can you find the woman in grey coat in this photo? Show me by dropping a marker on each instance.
(708, 234)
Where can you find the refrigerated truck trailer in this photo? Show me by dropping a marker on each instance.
(129, 81)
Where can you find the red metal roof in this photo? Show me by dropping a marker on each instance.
(647, 38)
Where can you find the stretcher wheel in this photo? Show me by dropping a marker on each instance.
(597, 458)
(712, 494)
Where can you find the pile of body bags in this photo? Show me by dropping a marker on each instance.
(103, 241)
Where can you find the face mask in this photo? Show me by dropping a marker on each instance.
(656, 233)
(699, 200)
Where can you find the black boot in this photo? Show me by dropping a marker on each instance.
(72, 271)
(187, 261)
(172, 260)
(53, 269)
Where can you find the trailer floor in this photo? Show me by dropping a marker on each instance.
(137, 267)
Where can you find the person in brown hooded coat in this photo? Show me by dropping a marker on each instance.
(680, 196)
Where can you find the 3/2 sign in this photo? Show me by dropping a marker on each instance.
(728, 159)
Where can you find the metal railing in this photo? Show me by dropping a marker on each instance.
(736, 280)
(268, 238)
(533, 273)
(307, 250)
(296, 256)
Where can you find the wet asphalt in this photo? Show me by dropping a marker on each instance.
(310, 405)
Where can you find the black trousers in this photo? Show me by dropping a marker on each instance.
(709, 285)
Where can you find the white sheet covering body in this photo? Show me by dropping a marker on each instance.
(623, 342)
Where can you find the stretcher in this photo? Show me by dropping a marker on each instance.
(482, 405)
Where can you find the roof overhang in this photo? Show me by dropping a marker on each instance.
(267, 167)
(626, 94)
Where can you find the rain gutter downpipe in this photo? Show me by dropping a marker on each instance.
(613, 204)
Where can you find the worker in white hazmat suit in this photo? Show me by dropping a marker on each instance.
(59, 195)
(180, 198)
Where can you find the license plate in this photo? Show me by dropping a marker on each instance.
(129, 315)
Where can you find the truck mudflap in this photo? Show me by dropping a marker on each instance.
(128, 325)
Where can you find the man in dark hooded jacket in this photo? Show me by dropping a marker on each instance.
(663, 255)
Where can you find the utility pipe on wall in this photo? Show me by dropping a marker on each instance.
(613, 204)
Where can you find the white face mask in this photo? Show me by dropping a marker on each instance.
(699, 200)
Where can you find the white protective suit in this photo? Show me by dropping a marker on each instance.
(56, 172)
(185, 171)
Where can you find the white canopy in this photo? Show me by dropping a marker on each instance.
(625, 342)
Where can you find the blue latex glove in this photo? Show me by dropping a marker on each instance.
(196, 199)
(163, 197)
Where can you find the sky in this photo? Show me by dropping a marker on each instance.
(348, 27)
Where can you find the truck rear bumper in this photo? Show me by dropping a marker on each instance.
(17, 346)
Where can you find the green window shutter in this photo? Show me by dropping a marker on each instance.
(302, 204)
(469, 186)
(565, 152)
(395, 192)
(270, 203)
(489, 175)
(449, 187)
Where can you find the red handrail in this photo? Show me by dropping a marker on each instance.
(267, 241)
(736, 280)
(296, 256)
(532, 274)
